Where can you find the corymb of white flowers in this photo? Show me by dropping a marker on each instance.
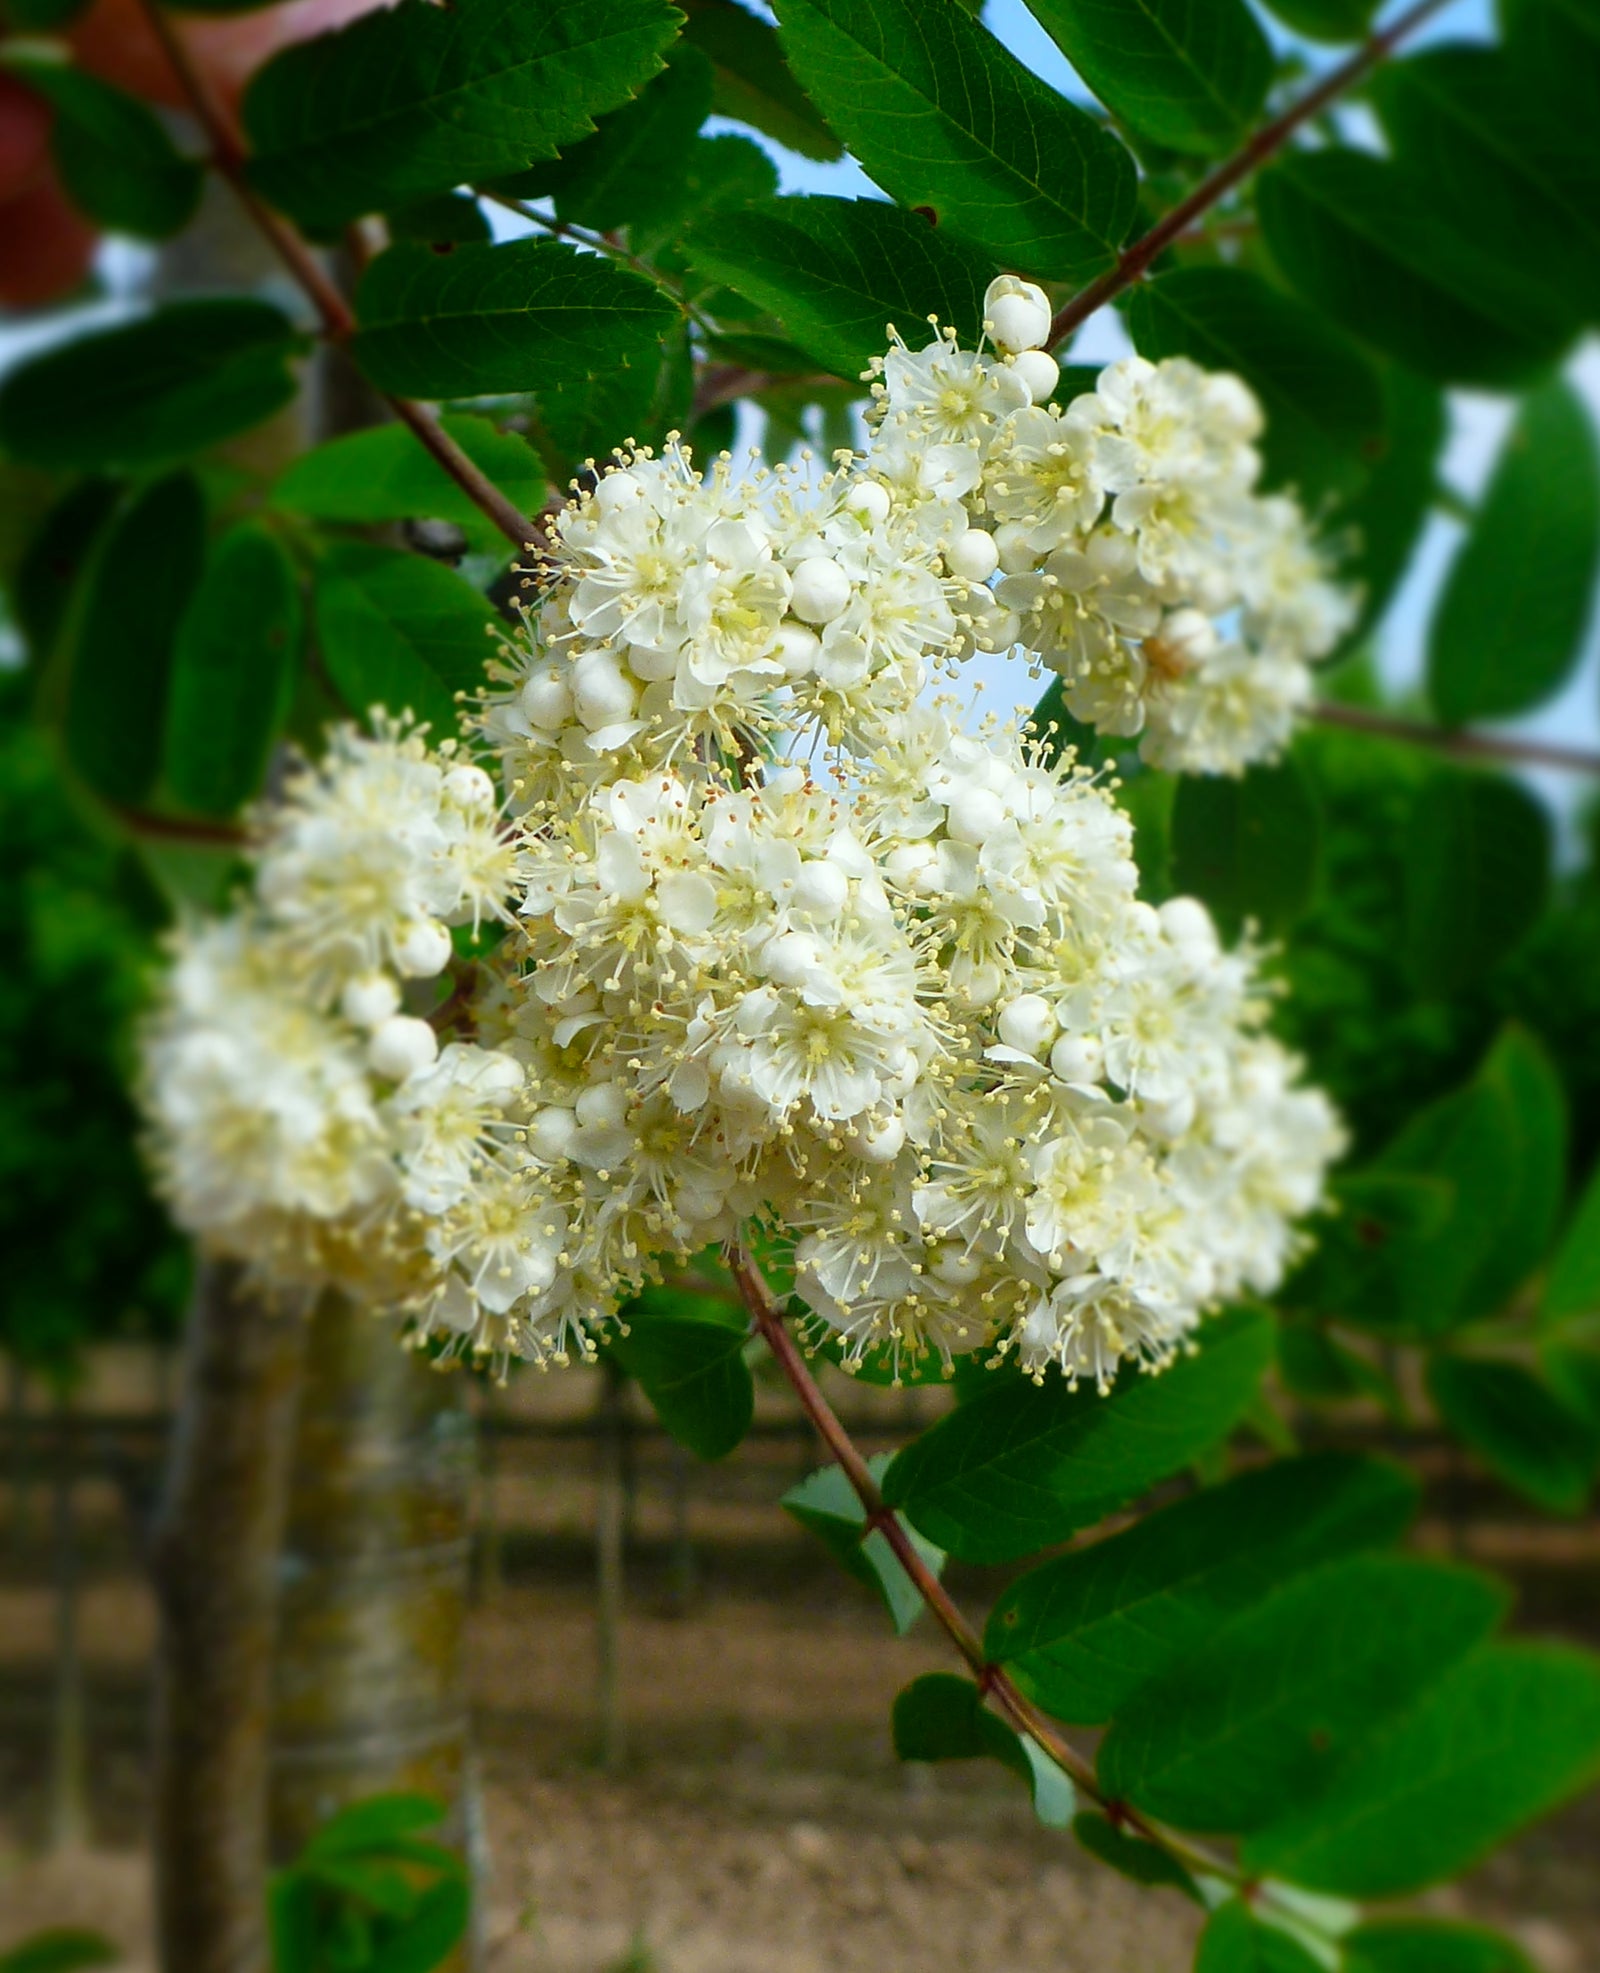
(787, 952)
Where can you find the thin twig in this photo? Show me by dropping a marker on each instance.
(1134, 260)
(337, 319)
(1457, 741)
(993, 1680)
(182, 828)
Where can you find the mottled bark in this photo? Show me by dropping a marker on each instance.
(370, 1686)
(215, 1565)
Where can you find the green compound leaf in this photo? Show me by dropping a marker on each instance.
(1428, 1945)
(1381, 524)
(1024, 1465)
(442, 219)
(687, 1351)
(1477, 875)
(386, 474)
(837, 272)
(153, 391)
(121, 634)
(1190, 77)
(1082, 1634)
(753, 83)
(1131, 1856)
(418, 98)
(1572, 1291)
(1508, 629)
(63, 1949)
(1361, 240)
(1323, 398)
(1519, 1428)
(1504, 1737)
(828, 1506)
(944, 117)
(112, 153)
(1237, 1942)
(1250, 847)
(1500, 166)
(1274, 1703)
(399, 631)
(527, 316)
(373, 1826)
(232, 673)
(634, 170)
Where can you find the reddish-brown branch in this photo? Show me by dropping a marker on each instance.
(1135, 260)
(1458, 742)
(334, 312)
(993, 1680)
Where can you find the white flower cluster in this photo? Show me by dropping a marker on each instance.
(788, 951)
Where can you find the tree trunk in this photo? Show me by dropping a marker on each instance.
(215, 1556)
(370, 1689)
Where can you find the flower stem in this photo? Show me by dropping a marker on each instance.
(334, 312)
(993, 1680)
(1133, 262)
(1452, 740)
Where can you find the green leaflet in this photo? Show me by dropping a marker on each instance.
(1083, 1633)
(401, 632)
(828, 1506)
(1191, 77)
(1235, 1941)
(527, 316)
(1379, 526)
(115, 160)
(1508, 628)
(417, 98)
(1322, 395)
(634, 170)
(838, 272)
(386, 474)
(1024, 1465)
(232, 673)
(120, 635)
(1519, 1428)
(1250, 847)
(941, 1717)
(687, 1352)
(1274, 1704)
(1131, 1856)
(1510, 1732)
(752, 80)
(1326, 20)
(944, 117)
(145, 393)
(1476, 877)
(1572, 1290)
(1501, 168)
(1360, 239)
(1430, 1945)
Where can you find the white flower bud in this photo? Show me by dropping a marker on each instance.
(1016, 313)
(822, 888)
(1188, 924)
(469, 786)
(982, 985)
(601, 693)
(552, 1131)
(1015, 550)
(402, 1046)
(1172, 1118)
(650, 664)
(369, 999)
(797, 650)
(972, 557)
(1039, 370)
(882, 1145)
(869, 499)
(1027, 1023)
(547, 701)
(1077, 1058)
(954, 1267)
(975, 814)
(790, 959)
(422, 949)
(821, 589)
(909, 863)
(602, 1105)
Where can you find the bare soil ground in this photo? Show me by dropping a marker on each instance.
(761, 1823)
